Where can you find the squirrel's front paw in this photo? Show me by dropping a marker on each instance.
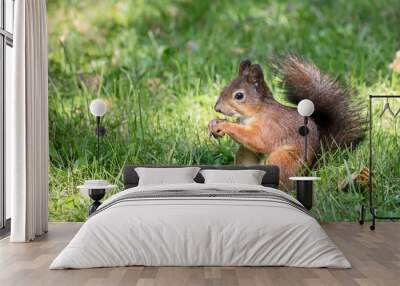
(215, 128)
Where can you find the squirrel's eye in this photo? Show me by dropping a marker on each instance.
(239, 95)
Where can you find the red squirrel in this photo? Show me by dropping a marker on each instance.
(267, 127)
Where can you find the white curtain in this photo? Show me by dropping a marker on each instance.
(27, 124)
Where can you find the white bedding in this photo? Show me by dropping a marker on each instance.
(185, 231)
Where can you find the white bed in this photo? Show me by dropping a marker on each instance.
(206, 230)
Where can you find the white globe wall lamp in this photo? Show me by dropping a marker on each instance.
(305, 108)
(98, 108)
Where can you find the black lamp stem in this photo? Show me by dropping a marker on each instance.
(98, 137)
(305, 139)
(100, 131)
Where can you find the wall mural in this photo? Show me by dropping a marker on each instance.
(217, 82)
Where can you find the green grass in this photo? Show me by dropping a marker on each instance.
(161, 64)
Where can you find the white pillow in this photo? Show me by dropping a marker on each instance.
(248, 177)
(166, 176)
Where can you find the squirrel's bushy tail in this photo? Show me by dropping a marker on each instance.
(338, 117)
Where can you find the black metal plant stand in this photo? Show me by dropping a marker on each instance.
(370, 206)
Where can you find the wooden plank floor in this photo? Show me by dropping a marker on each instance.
(375, 257)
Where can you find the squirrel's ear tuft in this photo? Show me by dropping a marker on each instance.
(255, 74)
(256, 78)
(244, 67)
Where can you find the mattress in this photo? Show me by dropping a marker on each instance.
(201, 225)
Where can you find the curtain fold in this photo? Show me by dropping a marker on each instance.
(27, 124)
